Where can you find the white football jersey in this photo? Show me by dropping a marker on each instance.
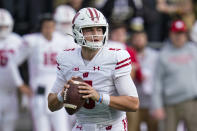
(10, 46)
(9, 78)
(41, 55)
(100, 72)
(9, 75)
(9, 81)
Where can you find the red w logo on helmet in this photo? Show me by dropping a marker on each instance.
(93, 14)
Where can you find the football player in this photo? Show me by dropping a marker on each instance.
(108, 87)
(9, 42)
(10, 82)
(63, 17)
(41, 49)
(10, 77)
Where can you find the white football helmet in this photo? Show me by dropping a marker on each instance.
(63, 16)
(89, 17)
(6, 23)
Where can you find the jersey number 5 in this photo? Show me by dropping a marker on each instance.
(89, 104)
(3, 59)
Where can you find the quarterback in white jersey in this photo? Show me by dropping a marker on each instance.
(41, 50)
(108, 87)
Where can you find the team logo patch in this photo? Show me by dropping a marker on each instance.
(85, 74)
(109, 127)
(79, 126)
(96, 68)
(76, 69)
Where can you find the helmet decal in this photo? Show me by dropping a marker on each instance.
(97, 16)
(92, 14)
(75, 17)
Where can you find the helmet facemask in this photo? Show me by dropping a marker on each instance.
(91, 44)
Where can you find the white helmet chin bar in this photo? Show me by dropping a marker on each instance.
(94, 45)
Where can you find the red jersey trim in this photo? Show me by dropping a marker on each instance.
(123, 61)
(71, 49)
(114, 49)
(123, 65)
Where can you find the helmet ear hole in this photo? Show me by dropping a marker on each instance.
(104, 29)
(104, 39)
(75, 40)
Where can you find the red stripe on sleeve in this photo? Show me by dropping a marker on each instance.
(91, 14)
(123, 61)
(123, 65)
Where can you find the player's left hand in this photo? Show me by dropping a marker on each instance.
(26, 90)
(88, 91)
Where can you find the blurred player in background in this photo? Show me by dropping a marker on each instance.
(108, 85)
(10, 77)
(41, 50)
(9, 42)
(63, 17)
(145, 55)
(193, 33)
(10, 82)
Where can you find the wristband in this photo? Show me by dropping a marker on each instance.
(106, 99)
(60, 97)
(100, 99)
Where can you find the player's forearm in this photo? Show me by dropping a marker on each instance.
(124, 103)
(53, 103)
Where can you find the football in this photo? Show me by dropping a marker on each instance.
(73, 100)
